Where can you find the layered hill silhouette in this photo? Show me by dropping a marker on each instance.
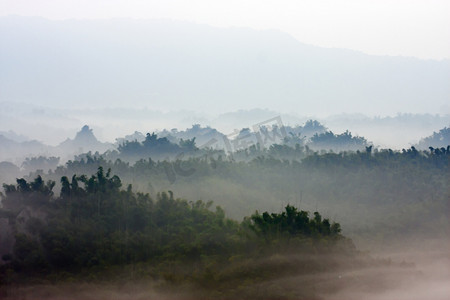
(84, 141)
(178, 65)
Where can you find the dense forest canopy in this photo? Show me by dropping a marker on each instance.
(395, 186)
(167, 144)
(59, 223)
(94, 226)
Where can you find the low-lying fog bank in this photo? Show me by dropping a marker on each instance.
(410, 274)
(422, 275)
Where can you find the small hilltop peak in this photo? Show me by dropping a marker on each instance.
(84, 140)
(85, 136)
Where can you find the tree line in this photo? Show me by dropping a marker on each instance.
(96, 225)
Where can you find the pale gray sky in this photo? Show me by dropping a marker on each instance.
(419, 28)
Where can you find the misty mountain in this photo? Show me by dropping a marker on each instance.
(271, 131)
(10, 148)
(84, 141)
(11, 135)
(246, 143)
(398, 131)
(179, 65)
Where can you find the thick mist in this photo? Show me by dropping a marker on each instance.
(392, 205)
(166, 159)
(32, 122)
(409, 276)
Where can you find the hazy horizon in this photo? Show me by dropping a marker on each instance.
(34, 122)
(252, 149)
(123, 75)
(179, 65)
(411, 28)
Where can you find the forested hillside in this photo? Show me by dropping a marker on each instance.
(95, 227)
(392, 193)
(284, 211)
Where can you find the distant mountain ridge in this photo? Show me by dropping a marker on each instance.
(168, 144)
(179, 65)
(84, 141)
(10, 148)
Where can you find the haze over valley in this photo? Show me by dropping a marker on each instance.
(224, 149)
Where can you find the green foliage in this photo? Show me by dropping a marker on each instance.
(401, 189)
(28, 255)
(337, 142)
(98, 224)
(40, 163)
(25, 193)
(94, 225)
(292, 223)
(437, 139)
(155, 146)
